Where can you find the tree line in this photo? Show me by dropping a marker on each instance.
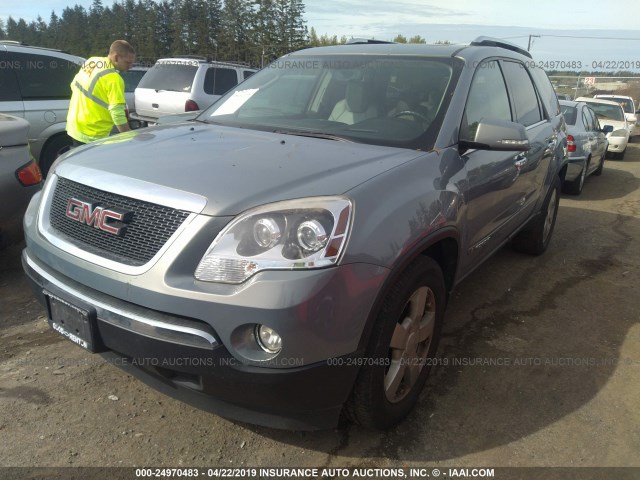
(234, 30)
(251, 31)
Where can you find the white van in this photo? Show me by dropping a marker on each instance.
(185, 84)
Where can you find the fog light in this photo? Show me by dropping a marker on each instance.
(268, 339)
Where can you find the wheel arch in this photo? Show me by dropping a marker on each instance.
(443, 247)
(45, 163)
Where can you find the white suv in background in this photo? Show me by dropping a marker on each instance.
(35, 84)
(629, 109)
(185, 84)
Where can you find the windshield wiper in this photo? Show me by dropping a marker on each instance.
(302, 133)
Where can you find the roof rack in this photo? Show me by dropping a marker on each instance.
(19, 43)
(496, 42)
(212, 59)
(362, 41)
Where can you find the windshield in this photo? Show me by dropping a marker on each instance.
(607, 112)
(379, 100)
(625, 103)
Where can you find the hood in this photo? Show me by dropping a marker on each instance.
(616, 124)
(232, 168)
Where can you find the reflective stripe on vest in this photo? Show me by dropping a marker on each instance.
(89, 93)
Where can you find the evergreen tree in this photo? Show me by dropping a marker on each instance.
(73, 33)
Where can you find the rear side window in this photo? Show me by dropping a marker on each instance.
(523, 93)
(548, 94)
(175, 77)
(43, 77)
(219, 81)
(247, 73)
(587, 120)
(594, 118)
(8, 85)
(488, 97)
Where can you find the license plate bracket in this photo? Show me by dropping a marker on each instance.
(76, 324)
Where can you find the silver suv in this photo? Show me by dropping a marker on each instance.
(185, 84)
(35, 84)
(287, 257)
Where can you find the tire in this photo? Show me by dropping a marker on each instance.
(575, 187)
(598, 171)
(535, 237)
(54, 147)
(620, 156)
(403, 343)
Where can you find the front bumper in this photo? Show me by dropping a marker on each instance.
(183, 357)
(617, 144)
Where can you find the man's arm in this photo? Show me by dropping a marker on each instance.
(119, 117)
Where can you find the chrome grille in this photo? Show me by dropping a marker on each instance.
(149, 229)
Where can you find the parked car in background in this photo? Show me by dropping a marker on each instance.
(295, 263)
(586, 144)
(35, 84)
(131, 79)
(611, 113)
(185, 84)
(20, 177)
(629, 108)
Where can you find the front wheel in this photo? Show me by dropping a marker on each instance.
(401, 349)
(535, 237)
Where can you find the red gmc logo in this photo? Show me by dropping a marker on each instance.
(111, 220)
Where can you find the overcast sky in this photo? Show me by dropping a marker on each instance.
(458, 21)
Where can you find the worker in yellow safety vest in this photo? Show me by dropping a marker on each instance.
(97, 95)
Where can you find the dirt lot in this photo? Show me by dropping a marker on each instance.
(543, 369)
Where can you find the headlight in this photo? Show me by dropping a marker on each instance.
(295, 234)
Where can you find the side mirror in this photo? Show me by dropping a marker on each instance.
(607, 129)
(494, 134)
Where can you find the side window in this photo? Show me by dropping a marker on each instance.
(594, 119)
(218, 81)
(43, 77)
(587, 120)
(523, 93)
(488, 98)
(8, 85)
(246, 74)
(548, 94)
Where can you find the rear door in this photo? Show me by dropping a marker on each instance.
(165, 88)
(543, 139)
(597, 139)
(44, 82)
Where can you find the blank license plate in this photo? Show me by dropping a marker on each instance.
(73, 323)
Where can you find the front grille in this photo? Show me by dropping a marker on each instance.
(148, 230)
